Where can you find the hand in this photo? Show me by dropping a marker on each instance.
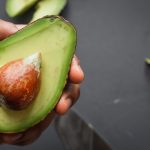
(69, 97)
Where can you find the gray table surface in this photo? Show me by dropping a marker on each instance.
(113, 40)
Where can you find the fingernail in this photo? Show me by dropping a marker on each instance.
(76, 61)
(64, 105)
(69, 102)
(80, 71)
(78, 67)
(66, 102)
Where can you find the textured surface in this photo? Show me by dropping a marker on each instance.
(113, 40)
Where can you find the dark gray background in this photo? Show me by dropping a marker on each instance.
(113, 40)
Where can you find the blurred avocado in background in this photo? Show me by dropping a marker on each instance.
(43, 8)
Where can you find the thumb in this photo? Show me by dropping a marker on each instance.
(6, 29)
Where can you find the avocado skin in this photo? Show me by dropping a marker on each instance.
(55, 39)
(48, 7)
(17, 7)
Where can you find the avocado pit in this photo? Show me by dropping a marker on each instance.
(20, 82)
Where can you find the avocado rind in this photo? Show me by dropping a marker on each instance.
(55, 39)
(48, 7)
(17, 7)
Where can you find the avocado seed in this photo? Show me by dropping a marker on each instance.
(20, 82)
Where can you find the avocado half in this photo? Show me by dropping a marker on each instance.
(55, 39)
(17, 7)
(48, 7)
(43, 8)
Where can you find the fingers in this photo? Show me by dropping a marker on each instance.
(20, 26)
(76, 74)
(9, 138)
(72, 91)
(28, 136)
(8, 28)
(33, 133)
(68, 98)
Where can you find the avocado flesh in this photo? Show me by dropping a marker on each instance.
(17, 7)
(55, 39)
(48, 7)
(147, 60)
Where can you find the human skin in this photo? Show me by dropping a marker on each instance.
(69, 96)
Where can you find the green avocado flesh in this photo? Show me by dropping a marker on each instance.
(48, 7)
(55, 39)
(17, 7)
